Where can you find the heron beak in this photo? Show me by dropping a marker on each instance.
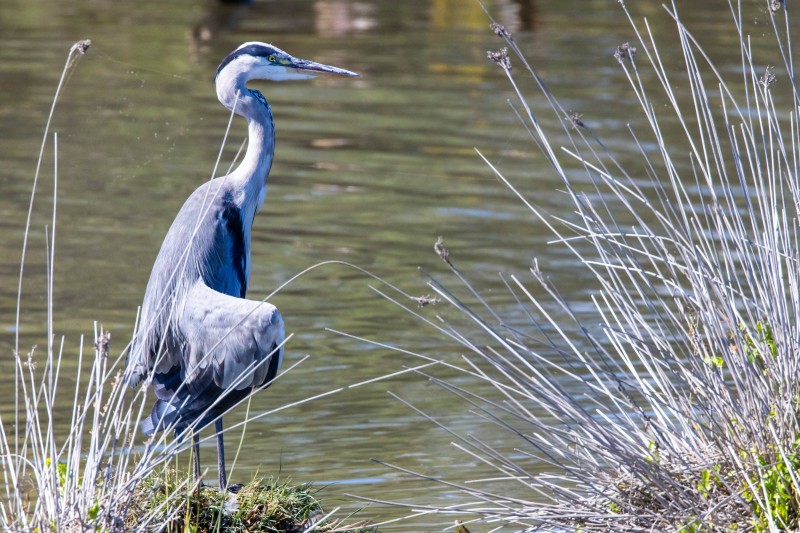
(303, 64)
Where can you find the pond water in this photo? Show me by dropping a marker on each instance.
(368, 171)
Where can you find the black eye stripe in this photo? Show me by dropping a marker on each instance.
(255, 50)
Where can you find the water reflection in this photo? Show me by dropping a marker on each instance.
(519, 15)
(454, 14)
(335, 18)
(225, 17)
(338, 18)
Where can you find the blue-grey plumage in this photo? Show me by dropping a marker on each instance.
(201, 343)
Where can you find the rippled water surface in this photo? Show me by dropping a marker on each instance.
(368, 171)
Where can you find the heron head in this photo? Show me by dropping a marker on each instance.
(255, 60)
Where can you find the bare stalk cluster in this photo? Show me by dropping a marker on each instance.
(671, 404)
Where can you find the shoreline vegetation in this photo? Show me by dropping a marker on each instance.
(261, 505)
(672, 406)
(671, 402)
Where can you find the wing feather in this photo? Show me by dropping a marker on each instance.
(230, 338)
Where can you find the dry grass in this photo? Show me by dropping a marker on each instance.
(673, 406)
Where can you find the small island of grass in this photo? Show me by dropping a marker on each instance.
(267, 505)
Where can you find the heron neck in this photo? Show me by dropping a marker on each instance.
(260, 145)
(251, 174)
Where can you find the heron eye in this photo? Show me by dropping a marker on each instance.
(271, 59)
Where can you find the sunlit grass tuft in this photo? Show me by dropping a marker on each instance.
(261, 505)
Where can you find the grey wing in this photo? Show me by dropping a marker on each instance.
(237, 343)
(208, 240)
(199, 243)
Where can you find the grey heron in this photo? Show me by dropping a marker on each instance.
(204, 346)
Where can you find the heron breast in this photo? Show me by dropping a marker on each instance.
(235, 243)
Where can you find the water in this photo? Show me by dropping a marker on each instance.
(368, 171)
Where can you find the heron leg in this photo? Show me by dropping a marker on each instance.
(196, 454)
(223, 476)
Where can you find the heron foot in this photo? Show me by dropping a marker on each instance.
(234, 488)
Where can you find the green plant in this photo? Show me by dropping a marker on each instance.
(261, 505)
(762, 344)
(776, 481)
